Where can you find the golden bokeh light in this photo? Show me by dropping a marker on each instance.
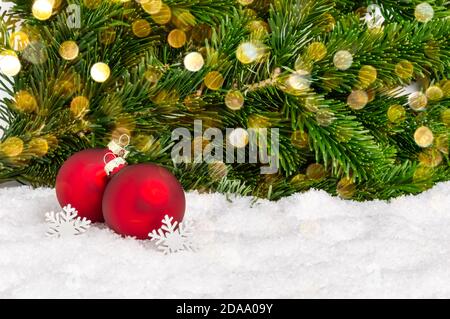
(238, 138)
(194, 62)
(25, 102)
(214, 80)
(100, 72)
(404, 69)
(316, 51)
(346, 188)
(19, 40)
(141, 28)
(151, 6)
(367, 75)
(42, 9)
(343, 60)
(234, 100)
(396, 113)
(9, 63)
(417, 101)
(69, 50)
(423, 136)
(12, 146)
(434, 93)
(163, 16)
(79, 106)
(316, 171)
(176, 38)
(358, 99)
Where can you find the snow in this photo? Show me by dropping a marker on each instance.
(308, 245)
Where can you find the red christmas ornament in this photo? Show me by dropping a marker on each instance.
(81, 182)
(139, 196)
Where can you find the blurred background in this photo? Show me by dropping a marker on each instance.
(4, 6)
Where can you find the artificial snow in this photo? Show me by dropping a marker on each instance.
(308, 245)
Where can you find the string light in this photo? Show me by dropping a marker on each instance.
(300, 139)
(424, 12)
(25, 102)
(445, 86)
(343, 60)
(245, 2)
(217, 170)
(176, 38)
(298, 81)
(42, 9)
(183, 20)
(417, 101)
(194, 62)
(107, 36)
(12, 146)
(238, 138)
(316, 171)
(141, 28)
(396, 113)
(358, 99)
(430, 157)
(9, 63)
(324, 117)
(69, 50)
(214, 80)
(441, 142)
(163, 16)
(234, 100)
(258, 28)
(79, 105)
(249, 52)
(92, 4)
(151, 6)
(367, 75)
(423, 136)
(328, 22)
(100, 72)
(445, 116)
(38, 146)
(19, 40)
(316, 51)
(299, 178)
(153, 74)
(404, 69)
(346, 188)
(434, 93)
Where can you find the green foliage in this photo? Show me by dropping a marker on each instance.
(150, 93)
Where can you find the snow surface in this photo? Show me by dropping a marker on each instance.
(308, 245)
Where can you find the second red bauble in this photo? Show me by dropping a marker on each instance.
(139, 196)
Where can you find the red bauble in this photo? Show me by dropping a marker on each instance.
(139, 196)
(81, 182)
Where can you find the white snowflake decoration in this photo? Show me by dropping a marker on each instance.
(66, 223)
(171, 239)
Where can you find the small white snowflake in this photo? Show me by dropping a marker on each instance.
(171, 239)
(66, 223)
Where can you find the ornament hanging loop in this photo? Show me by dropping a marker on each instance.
(119, 148)
(111, 165)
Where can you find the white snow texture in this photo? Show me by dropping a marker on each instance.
(308, 245)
